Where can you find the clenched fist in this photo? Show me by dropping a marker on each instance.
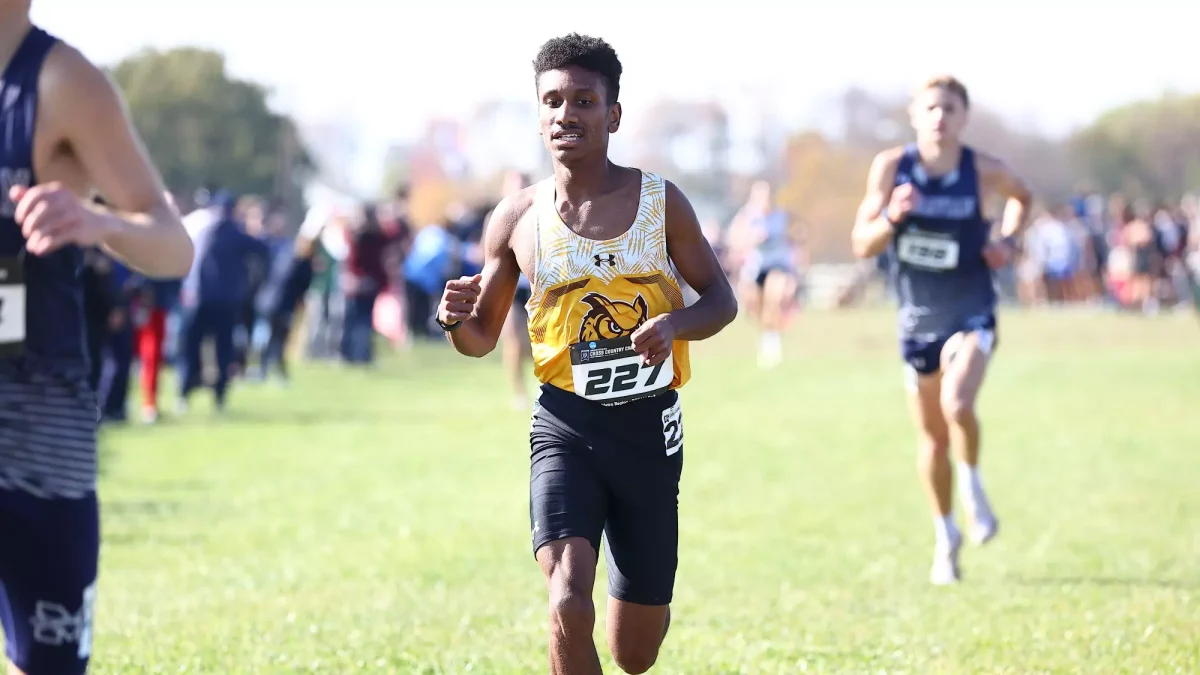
(458, 300)
(904, 200)
(654, 339)
(52, 217)
(998, 254)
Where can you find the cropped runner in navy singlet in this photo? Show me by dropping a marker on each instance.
(49, 519)
(924, 210)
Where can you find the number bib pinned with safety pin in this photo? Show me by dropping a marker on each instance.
(609, 371)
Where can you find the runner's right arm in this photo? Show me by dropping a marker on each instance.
(872, 230)
(479, 305)
(87, 114)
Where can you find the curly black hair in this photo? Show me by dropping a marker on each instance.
(589, 53)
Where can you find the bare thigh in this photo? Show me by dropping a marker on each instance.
(779, 287)
(964, 364)
(925, 408)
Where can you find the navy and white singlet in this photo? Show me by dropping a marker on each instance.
(49, 517)
(942, 282)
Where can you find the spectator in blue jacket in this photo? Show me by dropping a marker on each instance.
(212, 297)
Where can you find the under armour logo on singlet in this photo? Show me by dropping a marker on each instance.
(610, 259)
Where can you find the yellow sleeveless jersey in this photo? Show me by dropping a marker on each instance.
(587, 297)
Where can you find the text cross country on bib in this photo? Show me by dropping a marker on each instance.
(610, 371)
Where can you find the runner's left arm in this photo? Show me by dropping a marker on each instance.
(998, 178)
(698, 265)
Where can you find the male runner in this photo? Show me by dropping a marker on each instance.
(514, 338)
(67, 132)
(770, 272)
(924, 201)
(609, 332)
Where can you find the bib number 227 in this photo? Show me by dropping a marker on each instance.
(620, 379)
(610, 371)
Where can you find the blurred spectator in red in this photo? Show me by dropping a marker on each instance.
(364, 276)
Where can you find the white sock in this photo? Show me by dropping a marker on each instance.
(945, 529)
(771, 341)
(969, 483)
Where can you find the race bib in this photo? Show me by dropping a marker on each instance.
(611, 372)
(924, 250)
(12, 307)
(672, 419)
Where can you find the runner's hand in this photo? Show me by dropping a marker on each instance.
(903, 200)
(998, 254)
(653, 340)
(458, 300)
(51, 217)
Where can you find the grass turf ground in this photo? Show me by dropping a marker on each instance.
(377, 521)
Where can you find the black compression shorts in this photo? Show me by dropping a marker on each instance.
(611, 470)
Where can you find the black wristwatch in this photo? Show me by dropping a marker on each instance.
(446, 326)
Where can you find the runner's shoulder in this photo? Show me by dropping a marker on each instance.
(511, 210)
(67, 69)
(515, 207)
(889, 159)
(988, 164)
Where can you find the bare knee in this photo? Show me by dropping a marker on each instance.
(571, 608)
(751, 296)
(569, 567)
(958, 410)
(779, 285)
(933, 448)
(636, 654)
(636, 662)
(636, 635)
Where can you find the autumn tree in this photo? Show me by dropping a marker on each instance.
(825, 182)
(1144, 149)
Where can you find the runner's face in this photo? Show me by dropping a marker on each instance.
(574, 113)
(938, 115)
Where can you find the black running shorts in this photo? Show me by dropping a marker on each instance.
(49, 550)
(611, 470)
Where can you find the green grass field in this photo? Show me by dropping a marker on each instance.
(377, 521)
